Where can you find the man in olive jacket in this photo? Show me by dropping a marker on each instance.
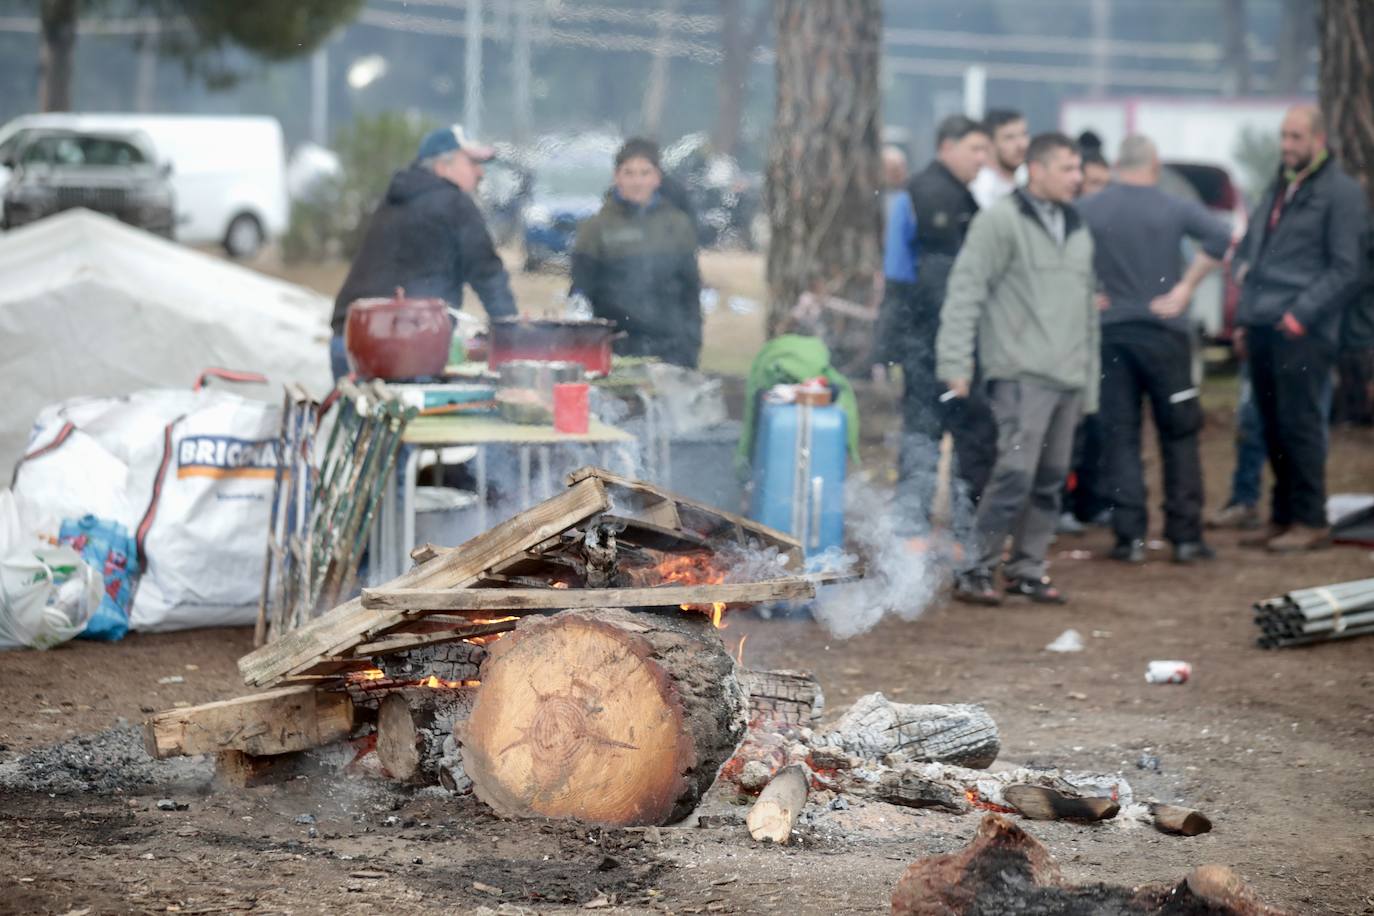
(636, 262)
(1023, 289)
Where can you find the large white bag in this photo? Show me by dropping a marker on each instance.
(47, 594)
(199, 468)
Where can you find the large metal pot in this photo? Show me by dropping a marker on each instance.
(398, 338)
(587, 342)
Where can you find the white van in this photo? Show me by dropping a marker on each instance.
(228, 172)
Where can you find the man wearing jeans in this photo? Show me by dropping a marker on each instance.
(1300, 261)
(1022, 292)
(1138, 232)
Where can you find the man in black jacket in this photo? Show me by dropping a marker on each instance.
(906, 332)
(1300, 261)
(428, 237)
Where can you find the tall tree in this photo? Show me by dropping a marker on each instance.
(741, 33)
(1347, 84)
(823, 180)
(197, 31)
(1297, 39)
(1236, 47)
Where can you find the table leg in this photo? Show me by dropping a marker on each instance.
(545, 480)
(481, 461)
(524, 477)
(408, 510)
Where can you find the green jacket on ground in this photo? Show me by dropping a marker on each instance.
(789, 359)
(638, 267)
(1024, 300)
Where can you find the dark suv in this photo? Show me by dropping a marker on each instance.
(112, 173)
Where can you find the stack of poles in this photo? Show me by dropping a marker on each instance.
(1313, 615)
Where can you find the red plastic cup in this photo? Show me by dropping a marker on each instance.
(571, 407)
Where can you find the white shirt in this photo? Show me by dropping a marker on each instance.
(991, 186)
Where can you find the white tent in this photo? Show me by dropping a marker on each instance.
(90, 306)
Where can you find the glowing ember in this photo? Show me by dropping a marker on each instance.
(976, 800)
(433, 681)
(694, 569)
(560, 585)
(371, 674)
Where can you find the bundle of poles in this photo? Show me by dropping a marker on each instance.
(1312, 615)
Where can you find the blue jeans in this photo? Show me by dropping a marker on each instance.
(1251, 453)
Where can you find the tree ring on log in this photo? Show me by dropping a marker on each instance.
(606, 717)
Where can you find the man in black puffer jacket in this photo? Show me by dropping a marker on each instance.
(1299, 264)
(636, 262)
(428, 237)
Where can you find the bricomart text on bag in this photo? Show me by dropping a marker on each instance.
(225, 456)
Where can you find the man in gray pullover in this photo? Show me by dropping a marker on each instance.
(1022, 288)
(1138, 232)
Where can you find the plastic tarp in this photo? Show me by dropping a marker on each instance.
(92, 307)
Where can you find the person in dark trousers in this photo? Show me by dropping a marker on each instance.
(428, 237)
(636, 262)
(1300, 262)
(1022, 294)
(943, 208)
(1138, 232)
(1355, 364)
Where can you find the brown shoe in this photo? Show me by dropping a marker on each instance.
(1301, 538)
(1263, 538)
(1236, 515)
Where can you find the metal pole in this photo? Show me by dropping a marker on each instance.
(524, 116)
(975, 91)
(319, 96)
(472, 75)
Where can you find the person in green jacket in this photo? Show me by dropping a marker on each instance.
(636, 262)
(1022, 291)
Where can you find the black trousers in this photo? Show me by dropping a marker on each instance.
(1147, 361)
(1355, 393)
(1288, 375)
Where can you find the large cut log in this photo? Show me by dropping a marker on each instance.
(415, 731)
(876, 727)
(276, 722)
(779, 805)
(607, 716)
(1006, 870)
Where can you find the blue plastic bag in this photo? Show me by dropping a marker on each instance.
(107, 547)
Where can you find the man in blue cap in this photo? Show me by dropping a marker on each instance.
(428, 236)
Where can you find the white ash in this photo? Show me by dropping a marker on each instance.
(105, 762)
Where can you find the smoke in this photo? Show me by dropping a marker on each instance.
(896, 579)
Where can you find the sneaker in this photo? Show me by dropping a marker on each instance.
(1068, 524)
(1262, 539)
(1040, 591)
(976, 587)
(1236, 515)
(1128, 551)
(1186, 552)
(1300, 538)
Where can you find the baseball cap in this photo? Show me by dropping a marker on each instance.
(447, 139)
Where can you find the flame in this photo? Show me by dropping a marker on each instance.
(433, 681)
(497, 619)
(370, 674)
(560, 585)
(694, 569)
(739, 652)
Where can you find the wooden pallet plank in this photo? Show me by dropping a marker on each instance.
(526, 599)
(276, 722)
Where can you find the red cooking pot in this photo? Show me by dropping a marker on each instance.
(398, 338)
(585, 341)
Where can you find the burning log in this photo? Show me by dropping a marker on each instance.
(1045, 803)
(1006, 870)
(782, 700)
(909, 790)
(779, 805)
(275, 722)
(875, 727)
(415, 732)
(608, 717)
(1176, 819)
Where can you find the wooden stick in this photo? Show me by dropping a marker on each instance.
(275, 722)
(1180, 820)
(399, 641)
(517, 599)
(779, 805)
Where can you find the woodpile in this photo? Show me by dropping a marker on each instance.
(1313, 615)
(1006, 870)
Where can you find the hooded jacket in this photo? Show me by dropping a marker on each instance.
(428, 237)
(638, 267)
(1027, 301)
(1309, 263)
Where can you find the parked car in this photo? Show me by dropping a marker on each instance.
(112, 173)
(725, 201)
(228, 172)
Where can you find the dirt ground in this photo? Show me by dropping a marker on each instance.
(1277, 747)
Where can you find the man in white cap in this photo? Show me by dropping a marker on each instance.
(428, 236)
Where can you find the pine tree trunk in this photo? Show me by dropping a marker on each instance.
(824, 183)
(58, 26)
(1347, 84)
